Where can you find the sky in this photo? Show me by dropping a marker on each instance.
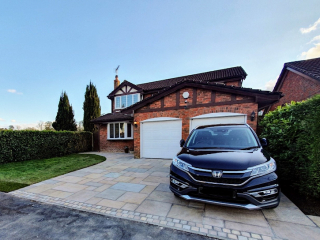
(47, 47)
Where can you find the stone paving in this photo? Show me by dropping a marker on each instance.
(138, 189)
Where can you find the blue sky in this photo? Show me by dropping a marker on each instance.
(47, 47)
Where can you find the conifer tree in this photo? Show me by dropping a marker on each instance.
(91, 107)
(65, 116)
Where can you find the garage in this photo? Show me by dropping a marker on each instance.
(160, 137)
(217, 118)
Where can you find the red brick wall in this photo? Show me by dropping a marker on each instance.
(170, 100)
(203, 96)
(113, 145)
(186, 114)
(223, 97)
(235, 83)
(297, 88)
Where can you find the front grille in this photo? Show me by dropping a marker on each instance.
(219, 180)
(218, 194)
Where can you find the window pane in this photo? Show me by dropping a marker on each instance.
(121, 130)
(116, 130)
(129, 100)
(123, 101)
(129, 130)
(135, 98)
(117, 102)
(111, 130)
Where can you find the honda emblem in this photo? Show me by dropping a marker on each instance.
(217, 174)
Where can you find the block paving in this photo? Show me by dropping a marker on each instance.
(138, 189)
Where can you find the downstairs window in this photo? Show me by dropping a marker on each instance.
(121, 130)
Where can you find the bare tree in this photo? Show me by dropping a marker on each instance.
(40, 125)
(18, 127)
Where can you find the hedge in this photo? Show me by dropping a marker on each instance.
(26, 145)
(293, 132)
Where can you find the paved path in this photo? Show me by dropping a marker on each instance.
(138, 189)
(26, 219)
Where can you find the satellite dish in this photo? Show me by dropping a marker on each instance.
(185, 95)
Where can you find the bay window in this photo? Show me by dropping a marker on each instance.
(126, 100)
(120, 130)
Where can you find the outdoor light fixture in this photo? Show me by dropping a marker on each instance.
(253, 115)
(135, 124)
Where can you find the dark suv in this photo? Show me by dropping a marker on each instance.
(225, 165)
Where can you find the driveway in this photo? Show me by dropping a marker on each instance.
(137, 189)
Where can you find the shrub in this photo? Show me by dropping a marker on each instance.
(294, 141)
(25, 145)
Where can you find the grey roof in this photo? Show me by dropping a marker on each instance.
(111, 117)
(234, 72)
(309, 67)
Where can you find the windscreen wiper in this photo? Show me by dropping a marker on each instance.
(248, 148)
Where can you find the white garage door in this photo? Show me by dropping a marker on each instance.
(217, 118)
(160, 137)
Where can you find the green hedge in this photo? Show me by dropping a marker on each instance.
(293, 132)
(26, 145)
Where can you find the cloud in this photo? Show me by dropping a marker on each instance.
(313, 52)
(315, 39)
(270, 84)
(13, 91)
(13, 120)
(310, 28)
(2, 120)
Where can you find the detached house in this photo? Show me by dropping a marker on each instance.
(298, 81)
(152, 117)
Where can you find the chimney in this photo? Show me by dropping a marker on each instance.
(116, 82)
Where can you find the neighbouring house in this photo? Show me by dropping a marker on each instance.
(151, 118)
(298, 81)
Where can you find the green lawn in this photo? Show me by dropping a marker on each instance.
(21, 174)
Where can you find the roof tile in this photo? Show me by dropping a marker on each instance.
(309, 67)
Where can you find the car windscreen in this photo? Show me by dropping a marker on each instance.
(222, 138)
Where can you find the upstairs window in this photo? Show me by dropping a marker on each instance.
(126, 100)
(121, 130)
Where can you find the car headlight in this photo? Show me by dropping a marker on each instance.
(265, 168)
(181, 164)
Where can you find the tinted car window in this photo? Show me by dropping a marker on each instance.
(222, 137)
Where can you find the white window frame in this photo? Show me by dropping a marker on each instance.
(125, 131)
(119, 97)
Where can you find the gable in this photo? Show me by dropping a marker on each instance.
(126, 90)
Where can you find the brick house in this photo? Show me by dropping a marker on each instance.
(151, 118)
(298, 81)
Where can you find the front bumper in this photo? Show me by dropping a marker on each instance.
(258, 193)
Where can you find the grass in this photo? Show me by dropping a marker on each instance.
(17, 175)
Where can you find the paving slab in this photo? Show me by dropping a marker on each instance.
(166, 197)
(133, 197)
(70, 187)
(287, 215)
(131, 187)
(154, 208)
(289, 230)
(82, 196)
(236, 215)
(111, 194)
(185, 213)
(315, 219)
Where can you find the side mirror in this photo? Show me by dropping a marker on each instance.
(264, 142)
(182, 142)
